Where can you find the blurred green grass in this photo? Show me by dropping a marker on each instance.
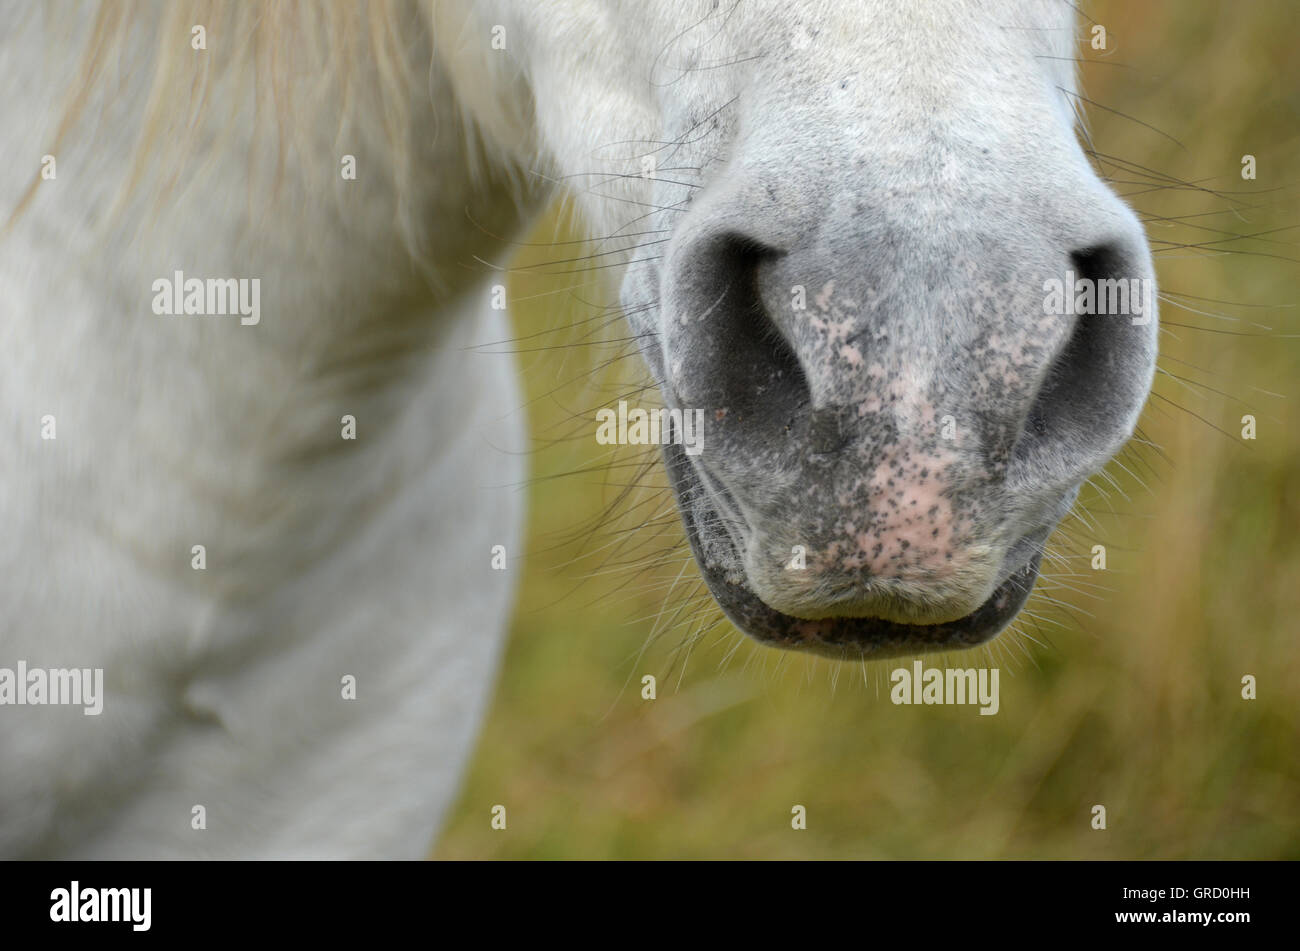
(1129, 698)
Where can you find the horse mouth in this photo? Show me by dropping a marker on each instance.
(840, 638)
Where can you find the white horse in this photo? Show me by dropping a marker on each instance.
(835, 219)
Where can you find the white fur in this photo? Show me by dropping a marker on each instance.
(324, 557)
(328, 558)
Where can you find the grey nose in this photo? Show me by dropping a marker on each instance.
(901, 400)
(810, 348)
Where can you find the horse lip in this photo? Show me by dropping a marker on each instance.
(873, 638)
(848, 637)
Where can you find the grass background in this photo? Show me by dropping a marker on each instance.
(1119, 687)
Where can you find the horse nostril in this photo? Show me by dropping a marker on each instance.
(725, 350)
(1088, 401)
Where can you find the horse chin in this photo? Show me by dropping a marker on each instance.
(867, 638)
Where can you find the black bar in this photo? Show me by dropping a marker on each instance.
(335, 900)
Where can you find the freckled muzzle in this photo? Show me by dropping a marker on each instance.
(895, 405)
(839, 637)
(833, 637)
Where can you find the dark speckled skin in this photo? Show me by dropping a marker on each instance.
(840, 637)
